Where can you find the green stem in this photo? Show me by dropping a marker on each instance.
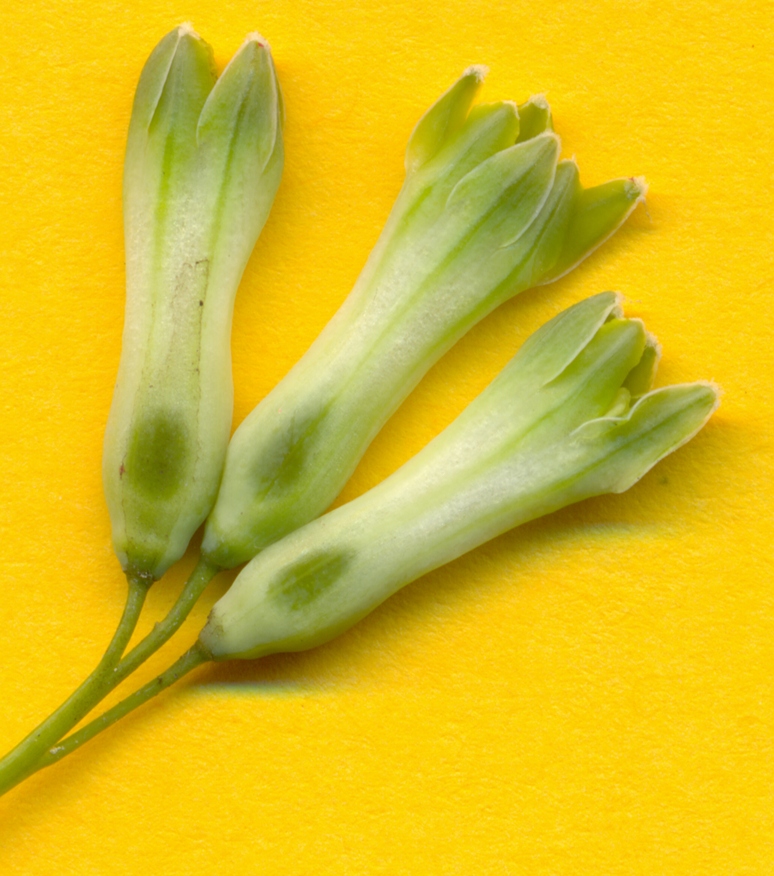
(195, 656)
(112, 670)
(165, 629)
(20, 761)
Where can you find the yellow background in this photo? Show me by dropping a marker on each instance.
(589, 695)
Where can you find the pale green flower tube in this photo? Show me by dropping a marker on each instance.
(203, 162)
(570, 417)
(486, 211)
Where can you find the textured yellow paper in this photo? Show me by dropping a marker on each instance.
(588, 695)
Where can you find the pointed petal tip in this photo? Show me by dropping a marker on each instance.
(637, 188)
(716, 389)
(713, 390)
(255, 37)
(478, 71)
(187, 29)
(504, 106)
(652, 341)
(538, 100)
(617, 310)
(610, 298)
(638, 324)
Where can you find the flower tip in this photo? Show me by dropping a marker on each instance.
(638, 321)
(716, 390)
(478, 71)
(187, 29)
(538, 100)
(255, 37)
(617, 310)
(653, 342)
(636, 188)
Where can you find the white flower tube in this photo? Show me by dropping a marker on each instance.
(570, 417)
(203, 162)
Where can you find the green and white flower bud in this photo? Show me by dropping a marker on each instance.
(203, 162)
(562, 422)
(486, 211)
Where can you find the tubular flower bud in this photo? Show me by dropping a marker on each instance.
(203, 161)
(571, 416)
(487, 210)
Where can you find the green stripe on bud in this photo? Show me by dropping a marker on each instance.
(553, 428)
(203, 162)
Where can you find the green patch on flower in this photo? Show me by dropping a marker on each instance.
(303, 582)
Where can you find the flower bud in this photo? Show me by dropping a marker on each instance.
(203, 162)
(558, 425)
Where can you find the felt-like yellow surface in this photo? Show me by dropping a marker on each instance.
(590, 694)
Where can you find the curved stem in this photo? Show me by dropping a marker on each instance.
(192, 658)
(110, 672)
(165, 629)
(18, 763)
